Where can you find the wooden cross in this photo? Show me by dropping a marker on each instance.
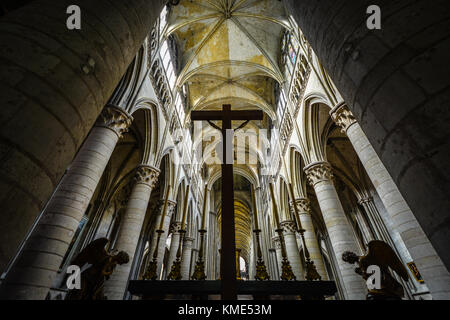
(228, 250)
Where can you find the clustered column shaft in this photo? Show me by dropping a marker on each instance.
(292, 250)
(311, 241)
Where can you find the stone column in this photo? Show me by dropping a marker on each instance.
(273, 268)
(175, 229)
(171, 205)
(364, 227)
(400, 99)
(194, 261)
(304, 210)
(279, 257)
(131, 226)
(427, 261)
(35, 270)
(375, 219)
(186, 258)
(292, 250)
(54, 82)
(339, 230)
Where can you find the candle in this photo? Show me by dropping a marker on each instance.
(186, 196)
(204, 207)
(254, 207)
(274, 205)
(163, 215)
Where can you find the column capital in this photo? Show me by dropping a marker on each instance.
(114, 118)
(365, 200)
(146, 174)
(276, 241)
(171, 205)
(303, 205)
(175, 227)
(318, 171)
(288, 226)
(342, 116)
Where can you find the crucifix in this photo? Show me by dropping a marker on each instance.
(228, 250)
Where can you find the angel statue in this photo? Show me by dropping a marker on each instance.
(380, 254)
(102, 266)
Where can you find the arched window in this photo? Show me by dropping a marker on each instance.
(167, 63)
(281, 103)
(289, 52)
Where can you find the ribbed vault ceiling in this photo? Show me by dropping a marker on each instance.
(229, 51)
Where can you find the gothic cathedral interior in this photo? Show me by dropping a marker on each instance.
(224, 149)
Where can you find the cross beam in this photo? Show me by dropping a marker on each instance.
(228, 247)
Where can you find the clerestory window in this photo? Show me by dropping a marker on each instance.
(289, 50)
(167, 63)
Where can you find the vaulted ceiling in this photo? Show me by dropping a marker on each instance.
(229, 51)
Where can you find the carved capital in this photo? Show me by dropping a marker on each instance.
(303, 205)
(365, 200)
(147, 175)
(317, 172)
(175, 227)
(116, 119)
(342, 116)
(276, 241)
(288, 226)
(171, 205)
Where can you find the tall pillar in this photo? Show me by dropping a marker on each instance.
(292, 250)
(379, 228)
(273, 265)
(174, 243)
(398, 89)
(194, 261)
(186, 258)
(171, 205)
(279, 257)
(425, 257)
(130, 230)
(49, 104)
(339, 230)
(37, 265)
(304, 210)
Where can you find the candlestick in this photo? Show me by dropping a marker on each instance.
(286, 269)
(185, 205)
(150, 273)
(311, 271)
(204, 207)
(175, 272)
(254, 207)
(274, 205)
(261, 271)
(199, 270)
(163, 214)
